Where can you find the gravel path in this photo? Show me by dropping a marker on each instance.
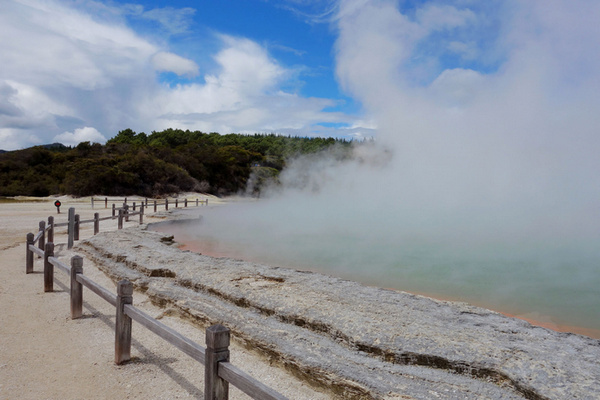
(46, 355)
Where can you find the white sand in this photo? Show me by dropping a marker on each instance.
(46, 355)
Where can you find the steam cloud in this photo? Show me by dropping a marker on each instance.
(484, 184)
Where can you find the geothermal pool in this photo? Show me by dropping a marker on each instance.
(548, 284)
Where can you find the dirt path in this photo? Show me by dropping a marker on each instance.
(46, 355)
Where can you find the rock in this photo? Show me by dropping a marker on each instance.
(359, 341)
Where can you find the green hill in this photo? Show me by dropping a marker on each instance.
(161, 163)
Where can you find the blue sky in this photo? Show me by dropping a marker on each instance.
(83, 70)
(295, 41)
(184, 52)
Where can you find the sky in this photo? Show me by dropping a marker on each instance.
(83, 70)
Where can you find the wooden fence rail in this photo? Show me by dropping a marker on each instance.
(156, 203)
(218, 371)
(122, 213)
(74, 223)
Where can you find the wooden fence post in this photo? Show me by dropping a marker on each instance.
(120, 223)
(92, 202)
(185, 203)
(51, 230)
(76, 287)
(76, 233)
(166, 204)
(96, 223)
(126, 212)
(176, 202)
(106, 202)
(141, 213)
(71, 227)
(196, 202)
(48, 268)
(217, 350)
(123, 322)
(133, 206)
(113, 209)
(29, 254)
(42, 240)
(146, 202)
(154, 205)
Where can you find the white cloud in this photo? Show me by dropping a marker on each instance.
(467, 51)
(246, 67)
(47, 44)
(435, 17)
(85, 134)
(245, 72)
(169, 62)
(67, 70)
(66, 67)
(13, 138)
(241, 96)
(173, 20)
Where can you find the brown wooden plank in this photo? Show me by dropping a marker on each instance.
(71, 229)
(123, 322)
(50, 229)
(57, 263)
(42, 240)
(217, 351)
(184, 344)
(76, 287)
(37, 236)
(96, 288)
(247, 384)
(36, 250)
(96, 223)
(48, 268)
(76, 227)
(28, 254)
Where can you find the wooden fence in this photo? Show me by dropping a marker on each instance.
(122, 213)
(218, 371)
(74, 222)
(156, 203)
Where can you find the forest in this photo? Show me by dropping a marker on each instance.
(161, 163)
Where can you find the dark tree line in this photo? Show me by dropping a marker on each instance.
(165, 162)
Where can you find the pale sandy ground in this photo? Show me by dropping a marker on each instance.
(46, 355)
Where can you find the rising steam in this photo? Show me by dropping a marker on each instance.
(484, 184)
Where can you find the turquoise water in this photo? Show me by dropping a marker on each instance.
(555, 282)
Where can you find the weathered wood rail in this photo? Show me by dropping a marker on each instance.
(156, 203)
(122, 214)
(218, 371)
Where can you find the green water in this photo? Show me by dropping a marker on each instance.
(556, 284)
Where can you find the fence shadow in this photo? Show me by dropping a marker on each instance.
(148, 356)
(218, 371)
